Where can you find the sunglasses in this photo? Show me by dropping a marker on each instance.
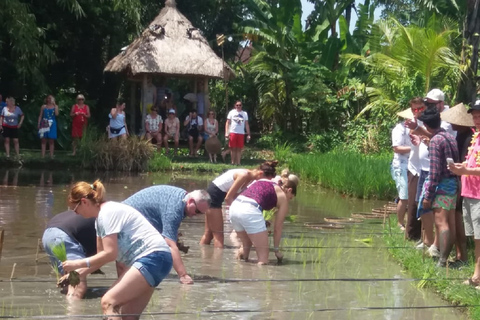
(75, 209)
(238, 105)
(196, 208)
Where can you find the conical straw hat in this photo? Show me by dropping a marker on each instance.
(458, 115)
(406, 114)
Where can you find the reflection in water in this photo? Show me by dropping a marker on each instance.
(14, 181)
(25, 209)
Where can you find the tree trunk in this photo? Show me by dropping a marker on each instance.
(467, 87)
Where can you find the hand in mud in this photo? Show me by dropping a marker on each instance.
(185, 279)
(63, 281)
(279, 256)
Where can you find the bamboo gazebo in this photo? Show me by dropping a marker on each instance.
(171, 47)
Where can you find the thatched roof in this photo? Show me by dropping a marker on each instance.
(170, 46)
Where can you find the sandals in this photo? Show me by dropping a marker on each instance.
(470, 282)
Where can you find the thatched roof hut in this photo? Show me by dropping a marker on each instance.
(170, 46)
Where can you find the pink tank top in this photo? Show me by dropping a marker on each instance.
(471, 183)
(263, 192)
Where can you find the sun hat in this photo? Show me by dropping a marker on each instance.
(80, 96)
(436, 95)
(171, 111)
(476, 106)
(458, 115)
(406, 114)
(192, 97)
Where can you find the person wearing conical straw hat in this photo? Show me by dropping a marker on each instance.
(462, 123)
(470, 172)
(413, 226)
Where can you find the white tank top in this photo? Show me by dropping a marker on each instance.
(225, 181)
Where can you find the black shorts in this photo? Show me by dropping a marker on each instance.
(10, 132)
(217, 196)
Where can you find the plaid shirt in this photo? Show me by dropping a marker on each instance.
(442, 146)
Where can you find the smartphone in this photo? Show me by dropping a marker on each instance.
(450, 161)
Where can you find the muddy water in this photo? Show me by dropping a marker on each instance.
(312, 283)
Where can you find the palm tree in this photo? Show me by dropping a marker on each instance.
(403, 56)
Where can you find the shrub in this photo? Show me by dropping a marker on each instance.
(132, 154)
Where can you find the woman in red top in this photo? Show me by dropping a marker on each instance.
(80, 113)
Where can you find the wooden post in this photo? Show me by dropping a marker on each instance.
(131, 109)
(195, 91)
(2, 232)
(206, 96)
(144, 102)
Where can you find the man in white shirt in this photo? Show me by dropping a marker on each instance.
(401, 149)
(237, 123)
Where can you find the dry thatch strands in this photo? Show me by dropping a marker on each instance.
(324, 226)
(382, 211)
(367, 215)
(343, 220)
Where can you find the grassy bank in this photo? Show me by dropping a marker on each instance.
(31, 159)
(448, 284)
(353, 174)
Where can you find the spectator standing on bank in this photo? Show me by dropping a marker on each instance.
(118, 124)
(11, 120)
(47, 125)
(413, 227)
(470, 172)
(440, 189)
(401, 148)
(235, 127)
(80, 113)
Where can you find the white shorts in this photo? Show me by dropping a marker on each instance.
(246, 216)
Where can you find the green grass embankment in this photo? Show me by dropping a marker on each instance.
(447, 283)
(353, 174)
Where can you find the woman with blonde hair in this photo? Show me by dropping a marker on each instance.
(80, 113)
(124, 235)
(226, 188)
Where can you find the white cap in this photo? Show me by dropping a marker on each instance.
(436, 95)
(171, 111)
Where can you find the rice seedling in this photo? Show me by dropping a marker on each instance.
(60, 252)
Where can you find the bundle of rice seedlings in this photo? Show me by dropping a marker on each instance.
(60, 252)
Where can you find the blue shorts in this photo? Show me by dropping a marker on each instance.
(55, 236)
(155, 266)
(421, 181)
(399, 175)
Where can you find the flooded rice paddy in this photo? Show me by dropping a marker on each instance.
(326, 274)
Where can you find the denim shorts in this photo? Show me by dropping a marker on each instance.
(55, 236)
(421, 181)
(154, 267)
(399, 175)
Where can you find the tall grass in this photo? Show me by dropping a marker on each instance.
(354, 174)
(101, 153)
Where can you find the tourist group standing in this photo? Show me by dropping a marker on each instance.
(432, 148)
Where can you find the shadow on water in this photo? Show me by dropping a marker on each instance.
(225, 287)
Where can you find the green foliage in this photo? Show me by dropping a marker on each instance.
(351, 173)
(159, 162)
